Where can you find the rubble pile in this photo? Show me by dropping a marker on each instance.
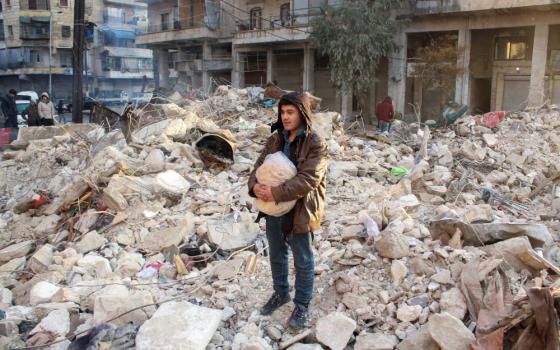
(441, 239)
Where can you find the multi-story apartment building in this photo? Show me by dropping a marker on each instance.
(116, 64)
(36, 38)
(26, 27)
(508, 51)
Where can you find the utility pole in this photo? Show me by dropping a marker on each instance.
(78, 61)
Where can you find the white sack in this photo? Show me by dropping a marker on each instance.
(274, 171)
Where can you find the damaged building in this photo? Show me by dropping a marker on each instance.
(502, 50)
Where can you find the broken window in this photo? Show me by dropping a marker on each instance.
(511, 48)
(256, 18)
(285, 14)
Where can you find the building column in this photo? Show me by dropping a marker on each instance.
(346, 104)
(206, 55)
(462, 84)
(269, 65)
(238, 71)
(397, 74)
(538, 66)
(163, 68)
(308, 69)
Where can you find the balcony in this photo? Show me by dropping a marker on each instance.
(34, 5)
(425, 7)
(34, 28)
(261, 30)
(173, 32)
(127, 74)
(217, 64)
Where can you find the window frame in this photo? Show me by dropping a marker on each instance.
(255, 18)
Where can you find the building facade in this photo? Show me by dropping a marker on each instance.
(507, 51)
(508, 55)
(36, 38)
(117, 66)
(25, 46)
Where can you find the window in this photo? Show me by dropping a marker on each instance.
(511, 48)
(35, 56)
(256, 18)
(285, 14)
(1, 6)
(10, 32)
(63, 3)
(66, 31)
(8, 3)
(165, 21)
(34, 27)
(1, 30)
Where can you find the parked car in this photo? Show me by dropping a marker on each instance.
(87, 103)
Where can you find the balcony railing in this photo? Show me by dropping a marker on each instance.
(168, 26)
(296, 18)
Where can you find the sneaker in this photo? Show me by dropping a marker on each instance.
(299, 318)
(275, 301)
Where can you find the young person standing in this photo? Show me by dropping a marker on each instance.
(293, 136)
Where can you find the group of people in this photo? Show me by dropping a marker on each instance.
(36, 114)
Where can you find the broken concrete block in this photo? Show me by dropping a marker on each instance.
(354, 301)
(420, 340)
(16, 251)
(47, 226)
(57, 323)
(478, 213)
(453, 302)
(398, 272)
(14, 265)
(517, 159)
(490, 139)
(473, 151)
(95, 265)
(392, 245)
(443, 277)
(300, 346)
(375, 341)
(6, 296)
(231, 236)
(408, 313)
(90, 241)
(171, 183)
(42, 292)
(449, 332)
(41, 259)
(335, 330)
(86, 221)
(155, 161)
(178, 325)
(108, 306)
(157, 240)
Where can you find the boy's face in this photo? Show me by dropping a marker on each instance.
(291, 117)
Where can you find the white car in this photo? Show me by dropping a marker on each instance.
(23, 99)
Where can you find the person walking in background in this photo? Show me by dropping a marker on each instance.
(60, 111)
(9, 109)
(384, 112)
(31, 114)
(46, 110)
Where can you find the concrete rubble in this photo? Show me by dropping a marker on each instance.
(146, 237)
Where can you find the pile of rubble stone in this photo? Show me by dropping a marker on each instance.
(144, 237)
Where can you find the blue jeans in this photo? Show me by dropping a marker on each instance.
(303, 261)
(384, 126)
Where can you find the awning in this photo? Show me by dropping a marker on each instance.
(123, 34)
(29, 19)
(127, 52)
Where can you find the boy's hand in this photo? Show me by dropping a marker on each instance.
(263, 192)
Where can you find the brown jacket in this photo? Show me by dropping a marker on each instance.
(308, 187)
